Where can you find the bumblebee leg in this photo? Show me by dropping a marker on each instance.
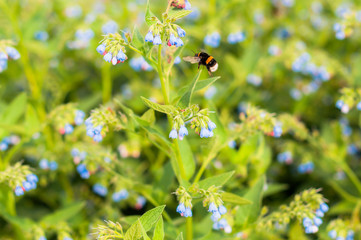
(209, 71)
(199, 64)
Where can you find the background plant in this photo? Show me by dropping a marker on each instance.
(106, 133)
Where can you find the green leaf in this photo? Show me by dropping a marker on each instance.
(63, 214)
(205, 83)
(233, 198)
(150, 18)
(180, 236)
(134, 232)
(249, 214)
(154, 133)
(151, 217)
(187, 158)
(137, 39)
(149, 116)
(185, 100)
(167, 109)
(144, 234)
(218, 180)
(274, 188)
(176, 14)
(158, 230)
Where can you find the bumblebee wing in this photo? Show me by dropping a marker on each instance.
(192, 59)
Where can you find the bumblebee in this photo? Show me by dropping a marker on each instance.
(203, 58)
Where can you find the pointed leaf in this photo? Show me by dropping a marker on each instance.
(149, 116)
(137, 39)
(249, 214)
(63, 214)
(185, 100)
(150, 18)
(158, 230)
(151, 217)
(187, 158)
(144, 234)
(218, 180)
(176, 14)
(233, 198)
(134, 232)
(167, 109)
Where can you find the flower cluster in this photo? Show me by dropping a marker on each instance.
(217, 211)
(184, 4)
(184, 207)
(139, 64)
(340, 230)
(65, 117)
(222, 224)
(27, 185)
(112, 47)
(6, 142)
(7, 52)
(212, 40)
(254, 119)
(285, 157)
(100, 121)
(304, 65)
(82, 39)
(100, 189)
(308, 207)
(46, 165)
(349, 99)
(305, 167)
(93, 131)
(19, 177)
(174, 35)
(120, 195)
(236, 37)
(349, 21)
(199, 120)
(311, 225)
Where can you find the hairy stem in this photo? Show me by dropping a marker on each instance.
(165, 92)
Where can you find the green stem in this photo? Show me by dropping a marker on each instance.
(179, 160)
(189, 228)
(165, 92)
(163, 83)
(352, 176)
(107, 83)
(201, 170)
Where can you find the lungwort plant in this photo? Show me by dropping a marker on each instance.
(106, 132)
